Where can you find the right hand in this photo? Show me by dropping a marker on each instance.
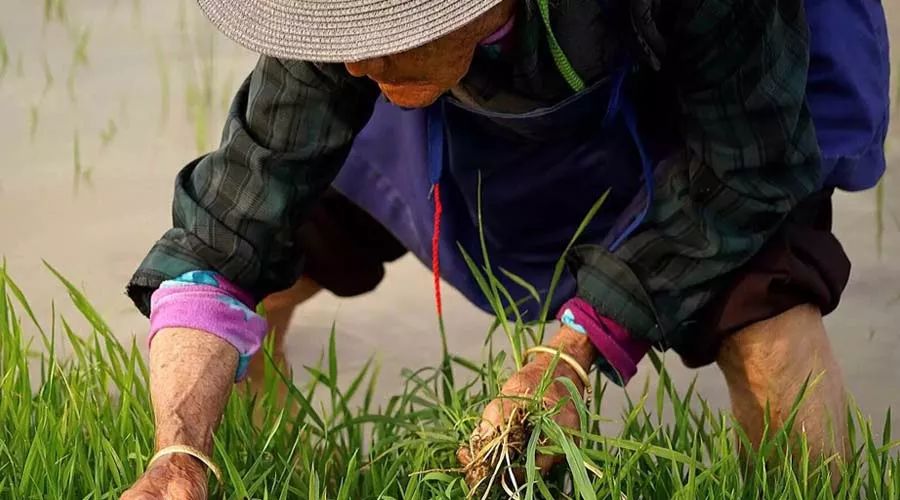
(173, 477)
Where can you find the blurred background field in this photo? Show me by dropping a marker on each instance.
(102, 101)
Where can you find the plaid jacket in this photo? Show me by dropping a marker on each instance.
(737, 73)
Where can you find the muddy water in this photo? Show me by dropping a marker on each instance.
(88, 151)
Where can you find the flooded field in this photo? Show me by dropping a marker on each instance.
(103, 101)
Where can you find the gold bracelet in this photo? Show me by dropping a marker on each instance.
(188, 450)
(579, 370)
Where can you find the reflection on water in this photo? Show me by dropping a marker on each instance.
(104, 100)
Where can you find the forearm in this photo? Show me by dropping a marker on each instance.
(191, 375)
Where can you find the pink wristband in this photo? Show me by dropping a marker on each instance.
(212, 308)
(622, 351)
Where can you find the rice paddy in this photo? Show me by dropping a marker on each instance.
(68, 33)
(81, 427)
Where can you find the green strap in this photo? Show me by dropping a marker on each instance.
(562, 62)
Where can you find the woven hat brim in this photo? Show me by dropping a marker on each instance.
(339, 30)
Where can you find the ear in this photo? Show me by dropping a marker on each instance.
(650, 43)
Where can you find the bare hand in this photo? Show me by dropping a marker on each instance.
(174, 477)
(503, 411)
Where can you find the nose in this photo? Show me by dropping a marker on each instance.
(365, 67)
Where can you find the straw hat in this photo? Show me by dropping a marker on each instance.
(339, 30)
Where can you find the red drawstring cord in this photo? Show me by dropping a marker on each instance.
(435, 250)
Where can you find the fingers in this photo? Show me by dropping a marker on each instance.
(501, 416)
(494, 416)
(464, 456)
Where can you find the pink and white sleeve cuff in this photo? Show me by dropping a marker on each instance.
(202, 300)
(620, 352)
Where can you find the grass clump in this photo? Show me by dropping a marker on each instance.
(83, 428)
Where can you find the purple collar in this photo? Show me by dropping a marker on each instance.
(501, 33)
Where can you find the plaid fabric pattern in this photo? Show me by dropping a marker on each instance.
(749, 156)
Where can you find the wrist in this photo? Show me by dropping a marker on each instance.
(573, 344)
(186, 465)
(616, 352)
(205, 301)
(194, 435)
(576, 345)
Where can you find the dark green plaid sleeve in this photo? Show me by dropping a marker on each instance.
(236, 210)
(751, 155)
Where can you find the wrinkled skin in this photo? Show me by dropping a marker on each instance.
(191, 374)
(524, 384)
(417, 77)
(176, 477)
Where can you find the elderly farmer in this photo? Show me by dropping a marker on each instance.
(370, 128)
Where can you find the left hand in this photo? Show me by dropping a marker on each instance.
(524, 384)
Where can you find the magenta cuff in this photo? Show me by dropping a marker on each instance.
(205, 301)
(620, 351)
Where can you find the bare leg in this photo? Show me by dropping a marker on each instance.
(769, 361)
(279, 310)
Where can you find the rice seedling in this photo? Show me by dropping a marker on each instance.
(108, 133)
(33, 119)
(81, 38)
(54, 10)
(200, 90)
(82, 172)
(198, 109)
(48, 75)
(80, 48)
(76, 158)
(20, 66)
(83, 429)
(4, 56)
(229, 88)
(880, 197)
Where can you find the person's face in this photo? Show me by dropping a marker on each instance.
(417, 77)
